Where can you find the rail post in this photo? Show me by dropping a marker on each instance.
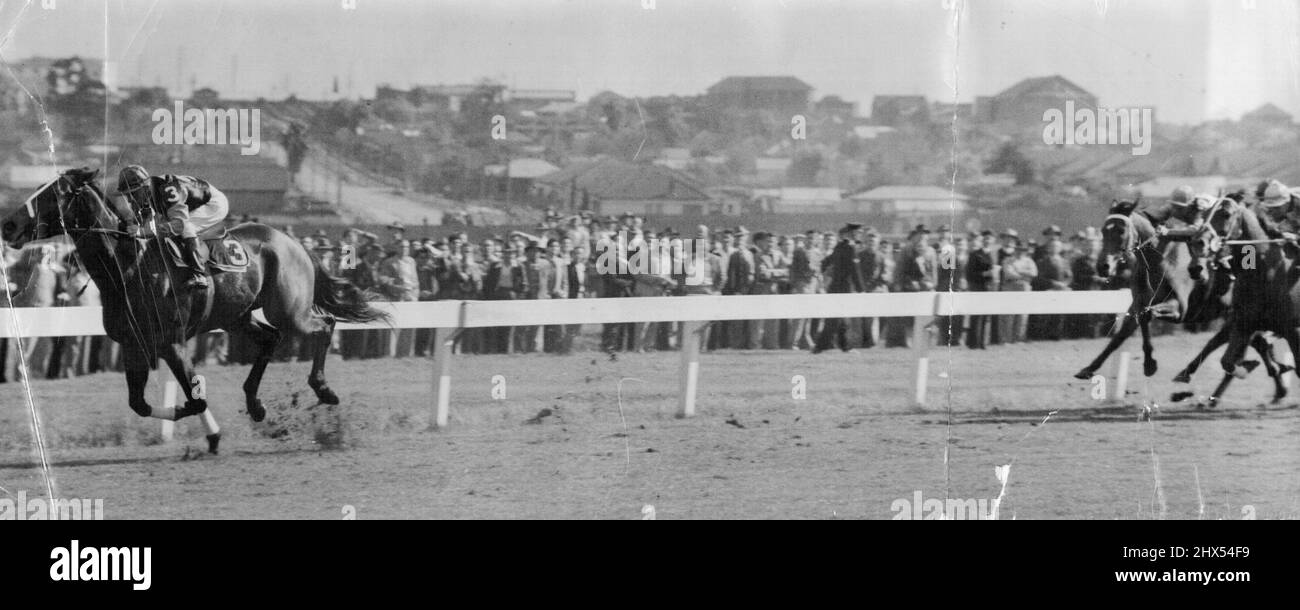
(690, 366)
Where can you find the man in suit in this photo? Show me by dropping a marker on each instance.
(844, 277)
(558, 288)
(581, 284)
(979, 278)
(871, 266)
(538, 281)
(770, 270)
(740, 279)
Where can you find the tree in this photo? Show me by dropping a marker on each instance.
(395, 110)
(1009, 160)
(804, 169)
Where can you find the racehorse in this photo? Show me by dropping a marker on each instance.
(144, 312)
(1164, 286)
(1159, 279)
(1266, 292)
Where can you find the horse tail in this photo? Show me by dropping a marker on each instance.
(343, 300)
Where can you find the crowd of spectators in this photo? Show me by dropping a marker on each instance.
(558, 261)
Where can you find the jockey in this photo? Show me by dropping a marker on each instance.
(1182, 206)
(193, 209)
(1278, 210)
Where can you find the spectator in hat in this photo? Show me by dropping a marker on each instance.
(538, 282)
(1083, 276)
(915, 272)
(770, 269)
(1053, 274)
(399, 281)
(981, 276)
(803, 280)
(871, 266)
(1018, 273)
(740, 280)
(557, 288)
(844, 277)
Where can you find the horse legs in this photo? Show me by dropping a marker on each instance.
(1265, 350)
(1232, 356)
(136, 380)
(321, 339)
(1215, 342)
(1125, 331)
(1148, 363)
(174, 355)
(265, 338)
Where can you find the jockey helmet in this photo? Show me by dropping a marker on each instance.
(1275, 194)
(1182, 196)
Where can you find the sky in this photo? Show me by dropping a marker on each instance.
(1190, 60)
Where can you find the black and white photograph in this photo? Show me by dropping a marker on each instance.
(651, 260)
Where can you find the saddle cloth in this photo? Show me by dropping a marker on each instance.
(222, 253)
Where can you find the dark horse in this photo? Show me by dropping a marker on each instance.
(1159, 280)
(1267, 287)
(1164, 287)
(144, 312)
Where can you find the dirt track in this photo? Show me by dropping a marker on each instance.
(850, 450)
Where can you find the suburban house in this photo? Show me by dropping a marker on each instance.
(611, 187)
(776, 93)
(900, 110)
(1024, 102)
(533, 99)
(771, 170)
(516, 178)
(897, 209)
(445, 97)
(800, 200)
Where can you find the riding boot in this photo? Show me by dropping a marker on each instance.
(198, 275)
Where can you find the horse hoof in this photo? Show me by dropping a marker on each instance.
(1284, 369)
(327, 396)
(213, 441)
(1183, 377)
(192, 407)
(1149, 368)
(1084, 374)
(256, 411)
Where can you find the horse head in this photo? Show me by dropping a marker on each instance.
(1118, 237)
(70, 203)
(1223, 222)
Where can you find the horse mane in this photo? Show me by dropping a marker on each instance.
(1251, 228)
(1142, 225)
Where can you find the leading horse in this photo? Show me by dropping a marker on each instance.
(1165, 285)
(144, 311)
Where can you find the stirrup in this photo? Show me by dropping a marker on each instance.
(197, 281)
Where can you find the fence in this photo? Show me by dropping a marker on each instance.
(448, 318)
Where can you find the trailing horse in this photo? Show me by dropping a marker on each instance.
(151, 319)
(1266, 292)
(1164, 285)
